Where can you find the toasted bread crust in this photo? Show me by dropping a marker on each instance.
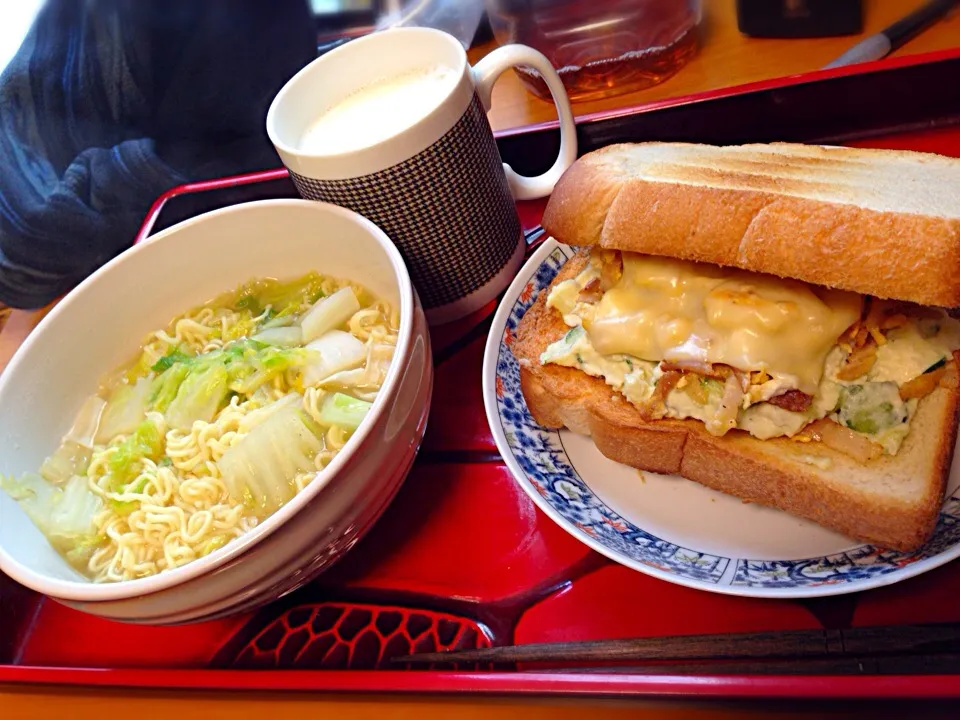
(794, 211)
(768, 472)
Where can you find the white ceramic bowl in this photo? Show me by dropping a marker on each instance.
(102, 322)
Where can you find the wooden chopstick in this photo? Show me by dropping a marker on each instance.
(905, 639)
(947, 664)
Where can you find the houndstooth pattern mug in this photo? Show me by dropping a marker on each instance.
(438, 187)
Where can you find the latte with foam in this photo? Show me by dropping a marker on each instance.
(378, 111)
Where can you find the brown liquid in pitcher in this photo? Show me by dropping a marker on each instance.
(634, 70)
(601, 47)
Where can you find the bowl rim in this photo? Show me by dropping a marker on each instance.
(90, 591)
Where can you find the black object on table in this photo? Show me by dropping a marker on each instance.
(799, 18)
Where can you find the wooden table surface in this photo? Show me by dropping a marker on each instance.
(726, 58)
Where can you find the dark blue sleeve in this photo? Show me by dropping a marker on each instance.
(109, 103)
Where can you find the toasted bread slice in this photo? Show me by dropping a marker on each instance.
(878, 222)
(892, 502)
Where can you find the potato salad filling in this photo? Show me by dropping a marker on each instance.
(737, 351)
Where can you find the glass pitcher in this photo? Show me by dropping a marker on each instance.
(601, 47)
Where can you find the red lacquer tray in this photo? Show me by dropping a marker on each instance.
(463, 558)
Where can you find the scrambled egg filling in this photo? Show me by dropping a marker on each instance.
(869, 404)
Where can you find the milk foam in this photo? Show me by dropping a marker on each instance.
(378, 111)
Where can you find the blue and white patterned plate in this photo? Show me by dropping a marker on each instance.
(666, 526)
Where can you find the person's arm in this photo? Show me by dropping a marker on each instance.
(109, 103)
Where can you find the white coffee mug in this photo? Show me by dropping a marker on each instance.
(393, 126)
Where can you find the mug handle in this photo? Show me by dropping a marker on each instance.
(485, 74)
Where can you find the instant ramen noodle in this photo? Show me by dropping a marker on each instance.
(223, 418)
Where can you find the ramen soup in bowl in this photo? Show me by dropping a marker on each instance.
(215, 416)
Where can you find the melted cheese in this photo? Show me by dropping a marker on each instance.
(677, 311)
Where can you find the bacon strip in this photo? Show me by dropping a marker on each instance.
(591, 292)
(861, 338)
(945, 376)
(655, 408)
(729, 406)
(843, 439)
(611, 269)
(694, 388)
(858, 362)
(691, 366)
(717, 372)
(792, 400)
(667, 382)
(951, 379)
(893, 321)
(922, 385)
(878, 309)
(850, 334)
